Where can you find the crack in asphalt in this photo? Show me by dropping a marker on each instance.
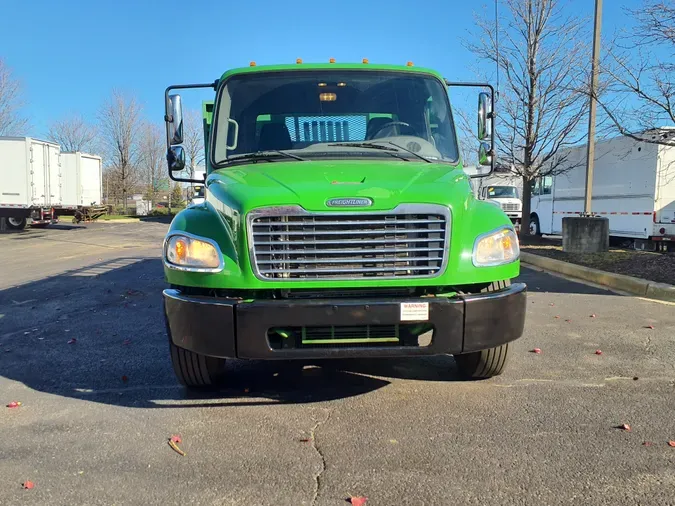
(317, 449)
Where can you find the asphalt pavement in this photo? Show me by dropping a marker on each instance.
(84, 349)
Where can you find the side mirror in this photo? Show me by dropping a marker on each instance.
(484, 155)
(175, 119)
(484, 116)
(176, 159)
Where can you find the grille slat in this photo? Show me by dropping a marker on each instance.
(296, 233)
(290, 244)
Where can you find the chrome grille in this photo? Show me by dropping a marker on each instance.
(510, 207)
(290, 243)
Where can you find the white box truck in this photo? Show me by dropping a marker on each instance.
(633, 186)
(82, 176)
(30, 181)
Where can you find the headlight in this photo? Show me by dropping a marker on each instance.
(190, 253)
(496, 248)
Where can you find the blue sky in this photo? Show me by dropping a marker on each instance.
(71, 54)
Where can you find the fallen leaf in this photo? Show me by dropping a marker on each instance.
(536, 350)
(393, 441)
(551, 304)
(568, 321)
(125, 379)
(72, 341)
(671, 443)
(598, 352)
(14, 404)
(650, 327)
(358, 501)
(304, 440)
(635, 378)
(126, 342)
(625, 427)
(647, 443)
(28, 485)
(176, 439)
(592, 316)
(175, 448)
(556, 317)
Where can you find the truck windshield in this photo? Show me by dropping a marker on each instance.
(334, 114)
(500, 192)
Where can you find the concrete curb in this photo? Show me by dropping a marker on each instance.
(636, 286)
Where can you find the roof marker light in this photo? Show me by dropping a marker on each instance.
(409, 64)
(298, 61)
(365, 60)
(252, 64)
(332, 60)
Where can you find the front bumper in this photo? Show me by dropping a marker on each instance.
(232, 328)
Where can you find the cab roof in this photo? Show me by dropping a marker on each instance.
(329, 66)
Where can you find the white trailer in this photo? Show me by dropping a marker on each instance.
(633, 186)
(30, 181)
(82, 178)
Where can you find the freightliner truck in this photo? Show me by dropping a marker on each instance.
(338, 223)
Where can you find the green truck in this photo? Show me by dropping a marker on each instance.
(338, 222)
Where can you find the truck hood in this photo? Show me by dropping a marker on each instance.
(505, 200)
(311, 183)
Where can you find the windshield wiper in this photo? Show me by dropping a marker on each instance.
(361, 145)
(409, 151)
(373, 145)
(368, 145)
(268, 155)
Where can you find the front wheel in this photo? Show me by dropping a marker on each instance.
(482, 364)
(196, 371)
(535, 229)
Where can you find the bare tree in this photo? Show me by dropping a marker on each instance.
(540, 106)
(72, 134)
(193, 140)
(639, 75)
(120, 125)
(152, 160)
(12, 121)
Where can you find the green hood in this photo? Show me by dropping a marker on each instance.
(232, 193)
(311, 183)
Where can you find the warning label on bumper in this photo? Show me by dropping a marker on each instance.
(414, 311)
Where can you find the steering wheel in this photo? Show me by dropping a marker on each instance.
(390, 124)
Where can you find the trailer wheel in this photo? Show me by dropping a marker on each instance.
(16, 223)
(485, 363)
(535, 229)
(196, 371)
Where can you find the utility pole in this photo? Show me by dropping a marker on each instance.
(590, 154)
(588, 233)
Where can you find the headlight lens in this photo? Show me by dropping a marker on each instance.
(184, 251)
(497, 248)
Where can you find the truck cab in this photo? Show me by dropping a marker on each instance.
(338, 222)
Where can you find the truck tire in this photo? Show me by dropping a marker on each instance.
(535, 229)
(16, 223)
(196, 371)
(485, 363)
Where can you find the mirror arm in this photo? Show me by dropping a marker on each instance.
(453, 84)
(169, 118)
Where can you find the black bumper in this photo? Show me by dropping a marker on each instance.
(238, 329)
